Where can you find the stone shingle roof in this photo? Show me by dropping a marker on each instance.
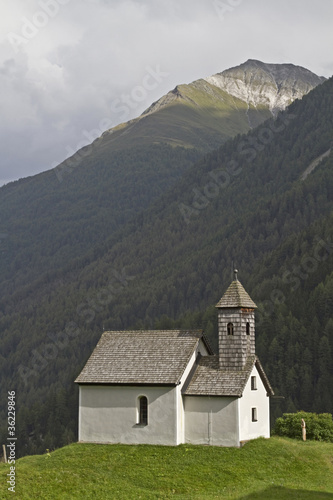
(209, 380)
(236, 296)
(140, 357)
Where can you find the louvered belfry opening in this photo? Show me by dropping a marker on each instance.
(236, 308)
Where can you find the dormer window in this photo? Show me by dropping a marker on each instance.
(230, 328)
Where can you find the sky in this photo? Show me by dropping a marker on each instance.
(71, 69)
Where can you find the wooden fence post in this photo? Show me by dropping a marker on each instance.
(4, 453)
(303, 430)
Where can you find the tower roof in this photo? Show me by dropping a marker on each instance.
(236, 296)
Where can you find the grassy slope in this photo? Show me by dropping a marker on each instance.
(263, 469)
(202, 116)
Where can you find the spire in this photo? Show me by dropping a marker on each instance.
(236, 327)
(236, 296)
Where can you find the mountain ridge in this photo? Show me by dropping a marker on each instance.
(238, 98)
(274, 85)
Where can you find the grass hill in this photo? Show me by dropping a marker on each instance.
(263, 469)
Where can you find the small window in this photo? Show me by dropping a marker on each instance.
(253, 383)
(254, 415)
(247, 328)
(143, 410)
(230, 328)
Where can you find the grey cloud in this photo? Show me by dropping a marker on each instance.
(65, 80)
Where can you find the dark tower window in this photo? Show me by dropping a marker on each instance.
(247, 328)
(143, 410)
(230, 328)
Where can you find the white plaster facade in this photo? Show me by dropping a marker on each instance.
(109, 414)
(211, 420)
(254, 399)
(227, 421)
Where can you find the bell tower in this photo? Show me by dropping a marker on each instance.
(236, 327)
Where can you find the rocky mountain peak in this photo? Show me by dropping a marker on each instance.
(271, 85)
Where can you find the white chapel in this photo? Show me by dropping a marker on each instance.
(168, 387)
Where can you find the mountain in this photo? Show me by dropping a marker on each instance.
(272, 86)
(50, 219)
(207, 111)
(72, 266)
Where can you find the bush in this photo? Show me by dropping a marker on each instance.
(318, 426)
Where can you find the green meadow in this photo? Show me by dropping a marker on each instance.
(276, 468)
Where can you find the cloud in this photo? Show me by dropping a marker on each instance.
(77, 57)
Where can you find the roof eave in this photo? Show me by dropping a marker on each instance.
(210, 395)
(133, 384)
(189, 359)
(264, 377)
(237, 307)
(207, 344)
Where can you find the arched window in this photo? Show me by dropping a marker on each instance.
(230, 329)
(143, 410)
(247, 328)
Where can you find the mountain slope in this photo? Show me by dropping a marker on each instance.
(46, 223)
(244, 202)
(60, 215)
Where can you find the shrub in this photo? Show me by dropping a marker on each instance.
(318, 426)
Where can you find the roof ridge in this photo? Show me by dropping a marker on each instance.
(148, 330)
